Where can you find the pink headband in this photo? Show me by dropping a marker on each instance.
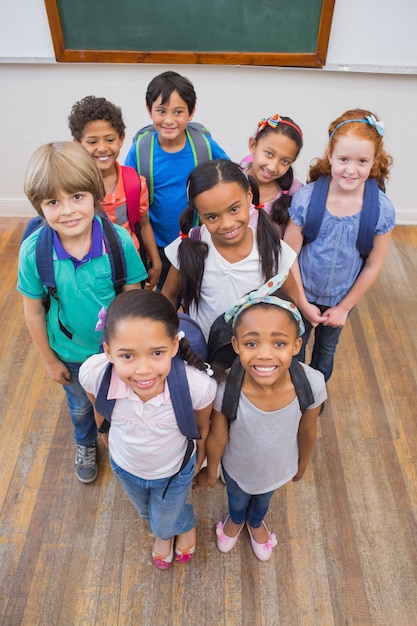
(273, 121)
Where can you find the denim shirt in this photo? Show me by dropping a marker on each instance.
(331, 263)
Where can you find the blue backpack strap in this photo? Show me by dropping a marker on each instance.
(103, 405)
(116, 254)
(316, 208)
(34, 224)
(369, 218)
(45, 263)
(181, 399)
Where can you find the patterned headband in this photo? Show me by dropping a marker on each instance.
(273, 121)
(263, 295)
(369, 119)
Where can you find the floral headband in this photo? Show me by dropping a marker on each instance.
(263, 295)
(368, 119)
(273, 121)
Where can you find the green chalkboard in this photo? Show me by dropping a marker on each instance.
(245, 32)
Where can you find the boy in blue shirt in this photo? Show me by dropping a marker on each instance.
(65, 187)
(170, 102)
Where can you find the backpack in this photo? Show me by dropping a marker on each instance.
(178, 389)
(145, 146)
(220, 350)
(45, 264)
(368, 219)
(131, 182)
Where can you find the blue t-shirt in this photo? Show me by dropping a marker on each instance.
(170, 175)
(82, 291)
(331, 263)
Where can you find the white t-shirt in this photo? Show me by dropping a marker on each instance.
(144, 438)
(224, 283)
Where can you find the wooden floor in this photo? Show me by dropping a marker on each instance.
(73, 554)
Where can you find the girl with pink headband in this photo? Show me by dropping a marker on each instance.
(340, 224)
(274, 148)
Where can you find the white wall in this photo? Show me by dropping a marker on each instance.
(37, 92)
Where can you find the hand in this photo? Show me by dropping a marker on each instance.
(153, 278)
(313, 314)
(202, 479)
(300, 473)
(58, 372)
(335, 316)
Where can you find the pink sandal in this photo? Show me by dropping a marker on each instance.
(183, 556)
(224, 542)
(263, 551)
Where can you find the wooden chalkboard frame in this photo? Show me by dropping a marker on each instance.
(293, 59)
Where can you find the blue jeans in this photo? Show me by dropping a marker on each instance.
(244, 507)
(168, 516)
(80, 408)
(326, 339)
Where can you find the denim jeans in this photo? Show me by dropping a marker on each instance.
(325, 342)
(81, 409)
(244, 507)
(168, 516)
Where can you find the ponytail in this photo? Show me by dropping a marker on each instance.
(267, 236)
(192, 255)
(279, 210)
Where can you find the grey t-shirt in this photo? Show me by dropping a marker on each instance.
(262, 452)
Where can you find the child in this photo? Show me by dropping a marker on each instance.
(230, 256)
(170, 103)
(274, 149)
(98, 126)
(335, 271)
(145, 443)
(65, 187)
(270, 442)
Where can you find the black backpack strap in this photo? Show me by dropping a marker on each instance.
(369, 218)
(232, 390)
(116, 254)
(45, 263)
(316, 208)
(187, 456)
(181, 398)
(301, 384)
(103, 405)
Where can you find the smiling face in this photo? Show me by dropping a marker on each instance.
(224, 209)
(141, 351)
(70, 214)
(266, 339)
(273, 155)
(170, 121)
(103, 142)
(351, 162)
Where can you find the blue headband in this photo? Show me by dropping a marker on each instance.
(263, 295)
(369, 119)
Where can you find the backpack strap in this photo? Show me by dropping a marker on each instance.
(131, 182)
(45, 263)
(197, 136)
(316, 208)
(103, 405)
(116, 254)
(199, 143)
(234, 382)
(301, 384)
(368, 219)
(181, 398)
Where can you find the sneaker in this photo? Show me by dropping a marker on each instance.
(86, 463)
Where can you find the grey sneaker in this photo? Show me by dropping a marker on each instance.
(86, 463)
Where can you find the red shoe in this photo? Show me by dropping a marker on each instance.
(183, 556)
(163, 562)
